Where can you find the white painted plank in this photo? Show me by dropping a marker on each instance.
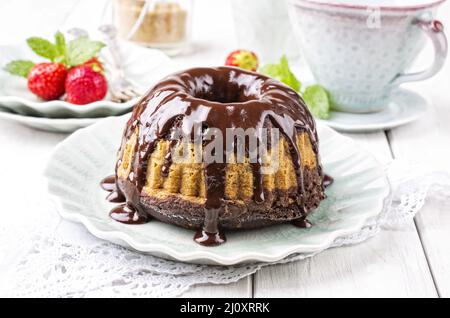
(240, 289)
(433, 223)
(428, 142)
(389, 265)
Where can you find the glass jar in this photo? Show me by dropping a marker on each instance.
(162, 24)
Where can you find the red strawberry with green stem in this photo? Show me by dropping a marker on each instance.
(244, 59)
(46, 80)
(85, 85)
(95, 64)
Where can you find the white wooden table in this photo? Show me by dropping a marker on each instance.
(413, 261)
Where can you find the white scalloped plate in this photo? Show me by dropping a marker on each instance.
(84, 158)
(63, 125)
(143, 67)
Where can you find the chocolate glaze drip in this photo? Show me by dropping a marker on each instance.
(327, 181)
(168, 158)
(222, 98)
(258, 193)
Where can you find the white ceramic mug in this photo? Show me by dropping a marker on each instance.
(361, 50)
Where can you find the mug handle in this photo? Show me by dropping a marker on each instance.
(435, 31)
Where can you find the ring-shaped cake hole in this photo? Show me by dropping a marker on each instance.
(226, 88)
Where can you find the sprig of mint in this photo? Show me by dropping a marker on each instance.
(61, 48)
(19, 67)
(42, 47)
(81, 49)
(315, 96)
(282, 72)
(75, 52)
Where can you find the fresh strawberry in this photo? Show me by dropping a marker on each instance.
(46, 80)
(244, 59)
(84, 85)
(95, 64)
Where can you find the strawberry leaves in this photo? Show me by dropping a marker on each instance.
(42, 47)
(61, 48)
(19, 67)
(81, 49)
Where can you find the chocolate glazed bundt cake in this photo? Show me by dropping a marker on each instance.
(228, 194)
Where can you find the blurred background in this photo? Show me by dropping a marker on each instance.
(214, 27)
(218, 26)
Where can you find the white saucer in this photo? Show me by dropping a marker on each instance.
(64, 125)
(87, 156)
(404, 107)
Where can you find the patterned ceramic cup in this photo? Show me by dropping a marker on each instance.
(361, 52)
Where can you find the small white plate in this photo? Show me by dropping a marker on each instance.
(63, 125)
(84, 158)
(405, 106)
(143, 67)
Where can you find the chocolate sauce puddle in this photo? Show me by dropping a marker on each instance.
(209, 239)
(115, 195)
(125, 213)
(302, 223)
(109, 183)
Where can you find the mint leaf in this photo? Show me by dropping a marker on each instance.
(19, 67)
(81, 49)
(61, 47)
(282, 72)
(271, 70)
(42, 47)
(316, 98)
(287, 76)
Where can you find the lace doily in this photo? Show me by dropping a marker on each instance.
(50, 263)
